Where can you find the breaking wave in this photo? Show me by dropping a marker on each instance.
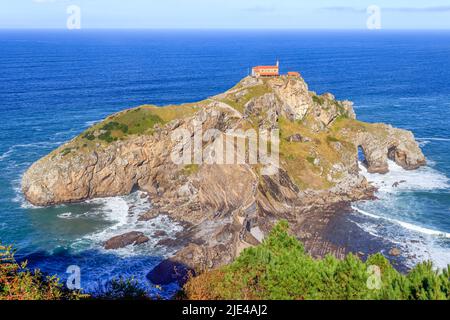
(405, 225)
(401, 217)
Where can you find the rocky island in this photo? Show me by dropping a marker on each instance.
(226, 208)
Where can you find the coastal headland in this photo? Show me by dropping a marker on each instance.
(226, 206)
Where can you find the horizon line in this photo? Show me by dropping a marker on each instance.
(225, 29)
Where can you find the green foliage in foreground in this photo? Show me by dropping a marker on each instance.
(19, 283)
(280, 268)
(121, 289)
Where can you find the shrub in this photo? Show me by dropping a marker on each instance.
(18, 283)
(89, 136)
(317, 99)
(113, 125)
(280, 268)
(332, 139)
(121, 289)
(106, 136)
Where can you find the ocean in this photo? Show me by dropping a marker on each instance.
(55, 84)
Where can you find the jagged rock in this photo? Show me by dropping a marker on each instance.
(169, 271)
(298, 138)
(327, 109)
(144, 196)
(131, 238)
(394, 252)
(397, 183)
(159, 233)
(294, 96)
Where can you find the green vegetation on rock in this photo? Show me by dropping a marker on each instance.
(122, 289)
(190, 169)
(280, 268)
(132, 122)
(318, 99)
(239, 100)
(298, 157)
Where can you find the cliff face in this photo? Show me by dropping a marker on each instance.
(226, 207)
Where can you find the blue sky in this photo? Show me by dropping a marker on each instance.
(305, 14)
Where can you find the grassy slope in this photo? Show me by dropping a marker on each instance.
(239, 103)
(131, 122)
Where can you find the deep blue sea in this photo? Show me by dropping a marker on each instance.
(54, 84)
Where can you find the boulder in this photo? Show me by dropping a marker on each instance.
(395, 252)
(297, 138)
(131, 238)
(160, 233)
(169, 271)
(397, 183)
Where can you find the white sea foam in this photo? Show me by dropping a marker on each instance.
(423, 143)
(405, 225)
(433, 139)
(6, 154)
(416, 246)
(16, 148)
(66, 215)
(424, 178)
(123, 213)
(386, 216)
(91, 123)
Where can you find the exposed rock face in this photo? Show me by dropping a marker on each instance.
(395, 252)
(124, 240)
(226, 207)
(297, 138)
(394, 144)
(294, 96)
(104, 172)
(169, 271)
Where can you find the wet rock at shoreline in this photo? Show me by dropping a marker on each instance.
(160, 233)
(131, 238)
(169, 271)
(395, 252)
(397, 183)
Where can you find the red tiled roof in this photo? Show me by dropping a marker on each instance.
(264, 67)
(269, 74)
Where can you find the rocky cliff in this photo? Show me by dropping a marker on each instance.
(226, 207)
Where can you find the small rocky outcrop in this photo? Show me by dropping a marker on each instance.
(131, 238)
(169, 271)
(225, 208)
(381, 143)
(395, 252)
(298, 138)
